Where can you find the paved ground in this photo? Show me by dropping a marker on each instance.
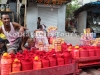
(73, 39)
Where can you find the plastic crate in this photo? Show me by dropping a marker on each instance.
(68, 69)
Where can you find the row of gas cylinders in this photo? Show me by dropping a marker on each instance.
(81, 51)
(85, 51)
(33, 60)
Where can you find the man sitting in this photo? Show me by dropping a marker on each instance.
(13, 32)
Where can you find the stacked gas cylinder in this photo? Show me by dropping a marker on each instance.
(34, 60)
(84, 51)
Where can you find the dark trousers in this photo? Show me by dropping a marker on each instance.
(3, 47)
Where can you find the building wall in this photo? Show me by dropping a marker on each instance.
(32, 14)
(82, 21)
(48, 16)
(3, 1)
(61, 18)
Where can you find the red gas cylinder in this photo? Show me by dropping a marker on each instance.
(70, 48)
(60, 59)
(53, 51)
(12, 56)
(91, 51)
(6, 64)
(51, 40)
(31, 55)
(84, 52)
(67, 57)
(64, 46)
(75, 52)
(42, 53)
(19, 56)
(97, 50)
(69, 45)
(37, 63)
(37, 52)
(45, 62)
(25, 52)
(27, 64)
(32, 50)
(53, 60)
(16, 66)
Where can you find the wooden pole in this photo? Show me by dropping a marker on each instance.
(18, 11)
(25, 14)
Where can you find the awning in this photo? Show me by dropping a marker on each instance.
(88, 6)
(56, 2)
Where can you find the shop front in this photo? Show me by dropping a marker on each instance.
(52, 14)
(88, 16)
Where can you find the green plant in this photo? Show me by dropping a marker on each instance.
(71, 7)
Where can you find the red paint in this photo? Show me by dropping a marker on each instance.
(53, 61)
(84, 52)
(97, 50)
(75, 53)
(67, 57)
(45, 62)
(91, 51)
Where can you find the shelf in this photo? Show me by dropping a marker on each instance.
(10, 12)
(6, 12)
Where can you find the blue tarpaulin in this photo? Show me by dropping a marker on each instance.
(98, 3)
(93, 6)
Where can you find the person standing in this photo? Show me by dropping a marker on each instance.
(38, 22)
(13, 32)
